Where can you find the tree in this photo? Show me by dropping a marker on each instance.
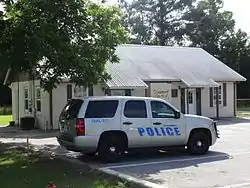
(212, 29)
(234, 50)
(207, 25)
(60, 38)
(155, 21)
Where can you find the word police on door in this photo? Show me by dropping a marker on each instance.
(159, 131)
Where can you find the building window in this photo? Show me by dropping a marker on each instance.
(80, 91)
(38, 99)
(174, 93)
(211, 97)
(26, 98)
(224, 94)
(220, 95)
(128, 92)
(69, 92)
(118, 92)
(190, 97)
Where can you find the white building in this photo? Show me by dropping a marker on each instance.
(193, 80)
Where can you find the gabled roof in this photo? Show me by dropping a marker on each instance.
(193, 66)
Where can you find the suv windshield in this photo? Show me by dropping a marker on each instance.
(71, 110)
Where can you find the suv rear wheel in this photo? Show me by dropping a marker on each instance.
(198, 143)
(110, 148)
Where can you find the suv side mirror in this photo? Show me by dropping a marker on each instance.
(177, 115)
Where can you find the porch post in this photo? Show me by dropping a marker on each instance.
(187, 102)
(235, 99)
(217, 102)
(148, 90)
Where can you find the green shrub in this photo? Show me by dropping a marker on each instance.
(5, 110)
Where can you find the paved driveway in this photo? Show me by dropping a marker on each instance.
(226, 165)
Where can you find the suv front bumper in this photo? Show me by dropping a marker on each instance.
(216, 129)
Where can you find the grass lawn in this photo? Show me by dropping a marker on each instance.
(5, 119)
(18, 169)
(243, 112)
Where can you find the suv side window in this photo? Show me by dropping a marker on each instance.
(135, 109)
(101, 109)
(161, 110)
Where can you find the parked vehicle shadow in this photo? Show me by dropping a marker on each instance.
(144, 165)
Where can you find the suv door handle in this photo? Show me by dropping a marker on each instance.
(127, 123)
(157, 123)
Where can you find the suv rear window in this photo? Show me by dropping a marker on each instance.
(101, 109)
(71, 110)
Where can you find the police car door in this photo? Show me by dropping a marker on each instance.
(135, 120)
(167, 129)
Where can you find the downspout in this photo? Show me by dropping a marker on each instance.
(235, 99)
(187, 101)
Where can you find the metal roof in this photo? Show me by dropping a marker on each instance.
(194, 66)
(122, 79)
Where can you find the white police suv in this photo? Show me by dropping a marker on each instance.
(110, 126)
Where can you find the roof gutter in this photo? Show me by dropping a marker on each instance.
(7, 76)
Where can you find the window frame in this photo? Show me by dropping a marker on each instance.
(136, 100)
(220, 95)
(224, 94)
(79, 91)
(174, 91)
(169, 116)
(26, 98)
(38, 99)
(91, 116)
(190, 97)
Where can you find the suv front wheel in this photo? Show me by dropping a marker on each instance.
(198, 143)
(110, 148)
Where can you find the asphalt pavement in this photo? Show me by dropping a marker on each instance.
(226, 165)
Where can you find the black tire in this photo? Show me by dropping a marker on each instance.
(198, 143)
(110, 148)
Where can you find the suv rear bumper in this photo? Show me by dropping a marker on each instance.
(77, 144)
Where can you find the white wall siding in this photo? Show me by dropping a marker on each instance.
(206, 110)
(228, 110)
(59, 98)
(44, 116)
(138, 92)
(97, 89)
(14, 94)
(176, 101)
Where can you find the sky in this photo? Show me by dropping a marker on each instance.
(240, 9)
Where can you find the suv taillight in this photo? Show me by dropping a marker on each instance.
(80, 127)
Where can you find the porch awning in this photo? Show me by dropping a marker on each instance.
(124, 80)
(201, 82)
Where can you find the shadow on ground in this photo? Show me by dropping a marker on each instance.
(14, 132)
(144, 167)
(232, 121)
